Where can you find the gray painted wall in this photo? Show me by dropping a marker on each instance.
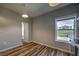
(10, 29)
(43, 30)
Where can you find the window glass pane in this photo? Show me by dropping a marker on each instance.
(65, 24)
(22, 30)
(65, 29)
(66, 35)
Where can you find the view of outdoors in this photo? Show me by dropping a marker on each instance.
(65, 29)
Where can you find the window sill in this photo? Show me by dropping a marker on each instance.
(62, 41)
(67, 42)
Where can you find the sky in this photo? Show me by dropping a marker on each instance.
(65, 22)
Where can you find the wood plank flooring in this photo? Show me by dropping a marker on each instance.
(33, 49)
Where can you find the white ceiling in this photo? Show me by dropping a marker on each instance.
(32, 9)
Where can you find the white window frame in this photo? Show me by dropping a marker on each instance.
(68, 17)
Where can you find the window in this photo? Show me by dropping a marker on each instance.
(65, 29)
(25, 31)
(22, 30)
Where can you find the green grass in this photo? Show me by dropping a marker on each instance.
(65, 33)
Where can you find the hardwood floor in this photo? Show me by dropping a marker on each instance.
(33, 49)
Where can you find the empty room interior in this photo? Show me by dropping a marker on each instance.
(39, 29)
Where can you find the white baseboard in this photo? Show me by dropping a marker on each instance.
(54, 47)
(27, 41)
(42, 44)
(10, 47)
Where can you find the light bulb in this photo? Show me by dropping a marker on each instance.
(25, 16)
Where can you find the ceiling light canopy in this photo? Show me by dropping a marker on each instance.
(25, 16)
(54, 4)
